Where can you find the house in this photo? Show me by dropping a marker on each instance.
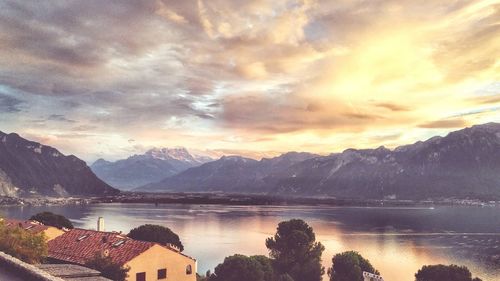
(34, 227)
(147, 260)
(367, 276)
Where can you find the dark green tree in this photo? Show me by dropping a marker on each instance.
(442, 272)
(349, 266)
(156, 233)
(243, 268)
(296, 252)
(49, 218)
(203, 278)
(108, 268)
(285, 277)
(266, 266)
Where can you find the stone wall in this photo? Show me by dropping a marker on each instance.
(25, 270)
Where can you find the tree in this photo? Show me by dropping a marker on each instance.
(22, 244)
(266, 266)
(285, 277)
(108, 268)
(156, 233)
(203, 277)
(444, 272)
(296, 252)
(52, 219)
(349, 266)
(243, 268)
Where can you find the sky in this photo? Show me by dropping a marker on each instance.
(251, 77)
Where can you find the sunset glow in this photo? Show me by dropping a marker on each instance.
(256, 78)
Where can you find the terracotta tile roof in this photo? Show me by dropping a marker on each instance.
(31, 226)
(80, 245)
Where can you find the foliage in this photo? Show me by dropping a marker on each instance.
(243, 268)
(266, 266)
(349, 266)
(156, 233)
(52, 219)
(22, 244)
(296, 252)
(444, 272)
(108, 268)
(201, 277)
(285, 277)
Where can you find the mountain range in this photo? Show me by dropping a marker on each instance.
(152, 166)
(229, 174)
(29, 168)
(464, 163)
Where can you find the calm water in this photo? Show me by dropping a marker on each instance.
(398, 241)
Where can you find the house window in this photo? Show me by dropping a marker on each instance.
(141, 276)
(162, 273)
(189, 269)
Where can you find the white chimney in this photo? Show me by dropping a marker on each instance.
(100, 224)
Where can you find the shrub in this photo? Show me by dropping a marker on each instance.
(108, 269)
(24, 245)
(52, 219)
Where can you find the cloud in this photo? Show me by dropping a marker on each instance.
(439, 124)
(84, 128)
(286, 113)
(490, 99)
(392, 106)
(315, 73)
(60, 118)
(10, 104)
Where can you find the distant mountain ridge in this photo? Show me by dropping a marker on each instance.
(152, 166)
(229, 174)
(29, 168)
(465, 163)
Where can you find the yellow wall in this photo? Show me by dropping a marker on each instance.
(158, 257)
(52, 232)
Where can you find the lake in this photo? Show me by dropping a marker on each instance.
(398, 241)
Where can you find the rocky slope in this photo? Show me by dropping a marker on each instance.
(465, 163)
(152, 166)
(29, 168)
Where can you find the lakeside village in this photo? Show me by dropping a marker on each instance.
(237, 199)
(47, 247)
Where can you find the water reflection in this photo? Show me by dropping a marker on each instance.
(398, 241)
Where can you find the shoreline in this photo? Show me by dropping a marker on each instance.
(240, 199)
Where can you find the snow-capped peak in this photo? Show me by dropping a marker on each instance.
(177, 153)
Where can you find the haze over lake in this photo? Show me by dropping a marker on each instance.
(398, 241)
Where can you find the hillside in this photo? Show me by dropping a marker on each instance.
(29, 168)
